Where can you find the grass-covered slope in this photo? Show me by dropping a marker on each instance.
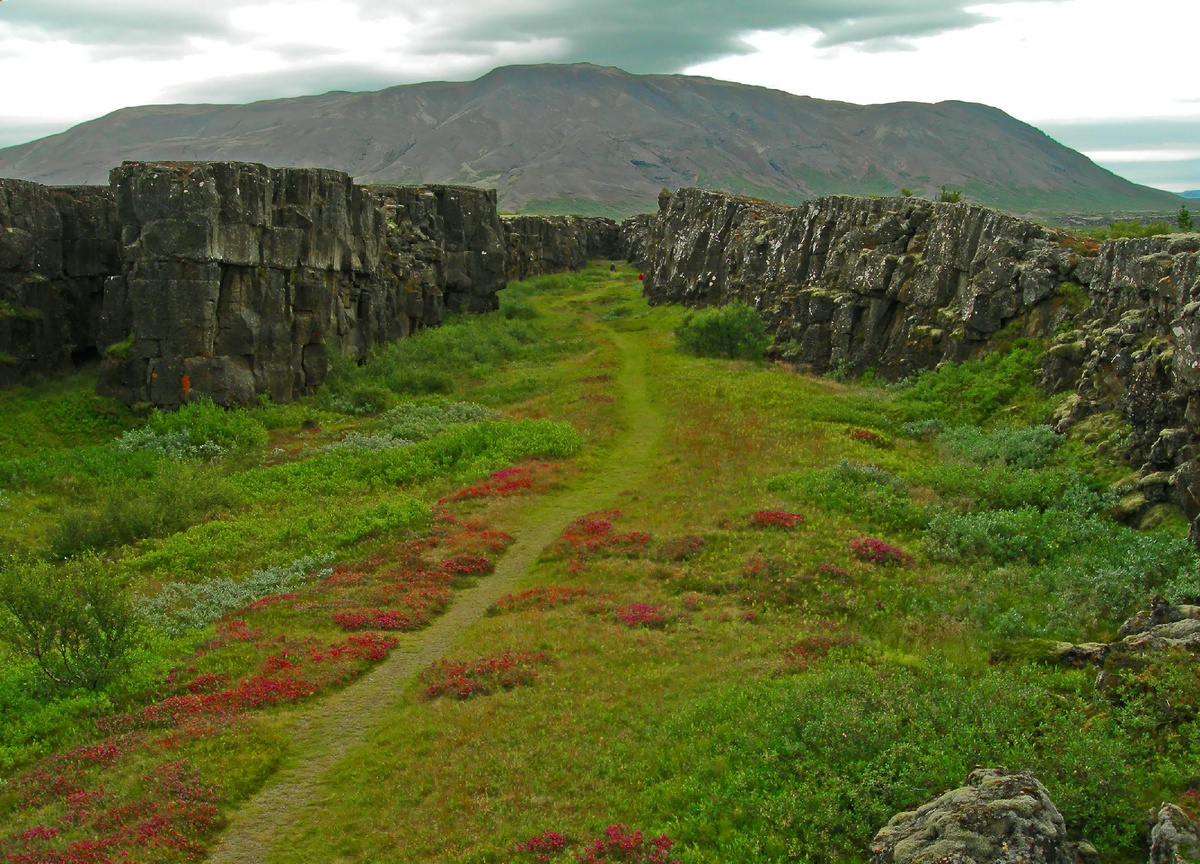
(526, 585)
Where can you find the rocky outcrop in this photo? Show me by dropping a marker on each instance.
(464, 222)
(1156, 629)
(553, 244)
(57, 247)
(999, 817)
(898, 285)
(239, 280)
(1175, 838)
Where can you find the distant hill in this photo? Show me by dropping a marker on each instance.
(1191, 193)
(591, 139)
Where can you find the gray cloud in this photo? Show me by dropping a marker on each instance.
(130, 23)
(1127, 134)
(663, 36)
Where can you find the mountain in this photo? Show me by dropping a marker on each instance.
(1191, 193)
(589, 139)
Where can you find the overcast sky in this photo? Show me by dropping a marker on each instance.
(1114, 79)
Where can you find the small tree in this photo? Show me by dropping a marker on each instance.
(951, 196)
(74, 620)
(1184, 219)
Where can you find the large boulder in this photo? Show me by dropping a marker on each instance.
(999, 817)
(1175, 838)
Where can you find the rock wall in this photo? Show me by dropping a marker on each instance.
(240, 280)
(553, 244)
(899, 285)
(58, 245)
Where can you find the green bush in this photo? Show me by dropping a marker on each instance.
(73, 620)
(1026, 447)
(734, 331)
(809, 767)
(974, 392)
(178, 495)
(205, 425)
(872, 496)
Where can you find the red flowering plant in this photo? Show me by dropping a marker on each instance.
(868, 436)
(463, 679)
(621, 844)
(503, 483)
(541, 847)
(593, 536)
(876, 551)
(800, 655)
(643, 615)
(775, 519)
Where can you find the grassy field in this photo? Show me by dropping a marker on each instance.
(537, 586)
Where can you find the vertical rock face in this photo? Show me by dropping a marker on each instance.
(552, 244)
(898, 285)
(891, 284)
(57, 247)
(466, 223)
(238, 279)
(1174, 839)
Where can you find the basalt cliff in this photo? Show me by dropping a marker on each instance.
(898, 285)
(233, 280)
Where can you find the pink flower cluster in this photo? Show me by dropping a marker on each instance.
(775, 519)
(877, 551)
(593, 536)
(539, 599)
(643, 615)
(621, 844)
(465, 678)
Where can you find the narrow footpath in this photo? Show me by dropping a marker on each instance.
(344, 721)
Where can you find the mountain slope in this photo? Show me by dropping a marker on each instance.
(588, 138)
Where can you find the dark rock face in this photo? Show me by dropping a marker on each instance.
(57, 247)
(1174, 839)
(230, 279)
(464, 221)
(999, 817)
(239, 279)
(898, 285)
(553, 244)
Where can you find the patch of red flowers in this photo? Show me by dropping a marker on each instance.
(867, 436)
(799, 656)
(643, 615)
(593, 536)
(621, 844)
(463, 679)
(542, 847)
(502, 483)
(775, 519)
(876, 551)
(539, 599)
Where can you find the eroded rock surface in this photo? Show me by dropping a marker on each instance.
(998, 817)
(554, 244)
(58, 245)
(1175, 838)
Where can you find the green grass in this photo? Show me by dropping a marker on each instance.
(722, 725)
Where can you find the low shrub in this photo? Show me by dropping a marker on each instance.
(463, 679)
(1025, 447)
(642, 615)
(876, 551)
(775, 519)
(207, 426)
(867, 493)
(621, 844)
(181, 607)
(74, 621)
(734, 331)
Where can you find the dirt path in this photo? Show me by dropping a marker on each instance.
(343, 721)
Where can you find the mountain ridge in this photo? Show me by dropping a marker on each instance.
(583, 138)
